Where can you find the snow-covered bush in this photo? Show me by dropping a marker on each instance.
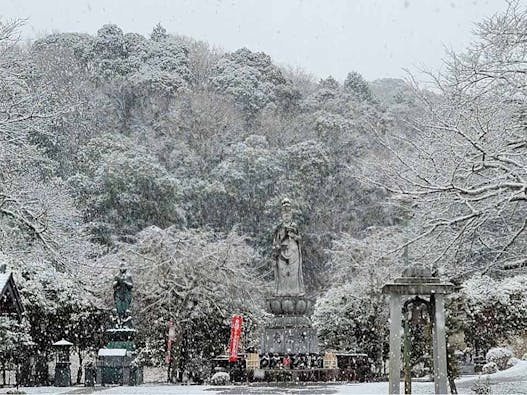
(481, 387)
(420, 370)
(199, 368)
(500, 356)
(495, 311)
(15, 340)
(220, 378)
(489, 368)
(511, 362)
(517, 343)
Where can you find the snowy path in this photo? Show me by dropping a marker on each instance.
(510, 381)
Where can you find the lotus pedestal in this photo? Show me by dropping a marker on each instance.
(289, 332)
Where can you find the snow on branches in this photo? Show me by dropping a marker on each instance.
(462, 164)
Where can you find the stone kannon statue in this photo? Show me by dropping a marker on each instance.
(122, 294)
(287, 255)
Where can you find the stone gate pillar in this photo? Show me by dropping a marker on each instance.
(439, 339)
(395, 343)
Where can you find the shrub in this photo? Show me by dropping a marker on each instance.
(511, 362)
(220, 378)
(500, 356)
(481, 387)
(489, 368)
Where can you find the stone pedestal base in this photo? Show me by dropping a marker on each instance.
(121, 338)
(115, 366)
(62, 374)
(290, 330)
(115, 363)
(289, 335)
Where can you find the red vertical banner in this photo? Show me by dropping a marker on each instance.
(171, 338)
(236, 334)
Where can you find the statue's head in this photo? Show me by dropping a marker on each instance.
(287, 214)
(122, 267)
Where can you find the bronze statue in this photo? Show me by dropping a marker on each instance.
(122, 294)
(287, 255)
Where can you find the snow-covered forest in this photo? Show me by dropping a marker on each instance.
(173, 156)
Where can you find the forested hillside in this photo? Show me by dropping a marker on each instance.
(174, 156)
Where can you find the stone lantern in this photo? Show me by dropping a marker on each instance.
(62, 363)
(419, 281)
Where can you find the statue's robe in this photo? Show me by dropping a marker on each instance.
(288, 262)
(122, 293)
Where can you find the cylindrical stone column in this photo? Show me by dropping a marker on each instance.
(395, 343)
(439, 334)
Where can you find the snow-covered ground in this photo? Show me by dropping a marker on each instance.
(510, 381)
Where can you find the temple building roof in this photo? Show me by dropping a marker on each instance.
(10, 302)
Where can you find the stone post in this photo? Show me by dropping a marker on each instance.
(439, 338)
(395, 343)
(98, 375)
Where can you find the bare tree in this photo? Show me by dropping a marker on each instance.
(462, 163)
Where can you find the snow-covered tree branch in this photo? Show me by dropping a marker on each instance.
(462, 164)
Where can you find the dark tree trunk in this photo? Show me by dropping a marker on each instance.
(25, 372)
(79, 371)
(41, 370)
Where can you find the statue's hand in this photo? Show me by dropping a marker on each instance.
(276, 252)
(295, 237)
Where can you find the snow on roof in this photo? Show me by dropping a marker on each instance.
(63, 343)
(4, 278)
(351, 354)
(112, 352)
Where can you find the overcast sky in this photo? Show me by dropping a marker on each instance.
(377, 38)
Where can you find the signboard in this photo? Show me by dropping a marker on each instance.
(236, 334)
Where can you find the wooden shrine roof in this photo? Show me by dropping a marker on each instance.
(10, 302)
